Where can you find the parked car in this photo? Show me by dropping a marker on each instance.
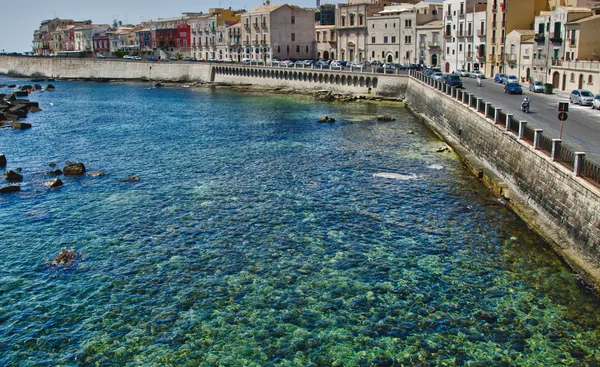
(336, 65)
(596, 103)
(308, 63)
(453, 80)
(321, 63)
(513, 88)
(101, 56)
(474, 74)
(429, 72)
(511, 79)
(387, 68)
(376, 63)
(499, 78)
(286, 63)
(355, 65)
(582, 97)
(536, 86)
(438, 75)
(246, 61)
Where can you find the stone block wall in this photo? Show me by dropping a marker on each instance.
(563, 207)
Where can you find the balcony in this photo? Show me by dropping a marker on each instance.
(263, 25)
(540, 61)
(555, 37)
(469, 56)
(448, 35)
(461, 14)
(573, 43)
(511, 58)
(434, 44)
(246, 43)
(481, 33)
(247, 26)
(494, 8)
(481, 57)
(449, 14)
(539, 37)
(492, 58)
(460, 34)
(422, 45)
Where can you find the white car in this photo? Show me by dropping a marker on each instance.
(246, 61)
(596, 103)
(476, 74)
(511, 79)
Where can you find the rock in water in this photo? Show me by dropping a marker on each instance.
(56, 172)
(2, 160)
(9, 189)
(50, 87)
(131, 179)
(75, 169)
(326, 119)
(97, 174)
(57, 182)
(385, 118)
(13, 176)
(21, 125)
(65, 257)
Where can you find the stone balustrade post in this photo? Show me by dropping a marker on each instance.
(578, 165)
(537, 138)
(487, 108)
(508, 118)
(497, 115)
(522, 126)
(556, 144)
(479, 101)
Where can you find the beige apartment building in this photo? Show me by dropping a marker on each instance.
(393, 34)
(351, 27)
(519, 53)
(504, 16)
(278, 32)
(325, 42)
(209, 33)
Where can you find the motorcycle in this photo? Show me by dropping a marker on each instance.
(525, 106)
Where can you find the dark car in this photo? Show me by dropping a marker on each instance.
(499, 78)
(453, 80)
(513, 88)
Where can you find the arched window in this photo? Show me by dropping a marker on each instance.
(572, 77)
(351, 20)
(343, 21)
(361, 19)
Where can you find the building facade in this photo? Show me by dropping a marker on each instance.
(464, 35)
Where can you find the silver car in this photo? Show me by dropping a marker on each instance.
(596, 103)
(582, 97)
(536, 86)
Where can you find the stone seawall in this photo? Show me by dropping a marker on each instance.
(563, 208)
(389, 86)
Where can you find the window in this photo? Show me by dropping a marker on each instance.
(382, 54)
(407, 39)
(408, 23)
(393, 39)
(396, 54)
(590, 79)
(572, 77)
(293, 19)
(361, 19)
(351, 20)
(306, 48)
(297, 48)
(183, 34)
(373, 54)
(318, 37)
(372, 39)
(278, 49)
(385, 39)
(293, 36)
(343, 21)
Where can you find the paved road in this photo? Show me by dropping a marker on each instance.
(581, 131)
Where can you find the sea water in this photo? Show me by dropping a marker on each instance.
(256, 236)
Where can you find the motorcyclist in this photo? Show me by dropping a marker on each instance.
(525, 104)
(478, 80)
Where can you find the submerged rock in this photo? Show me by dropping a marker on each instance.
(385, 118)
(75, 169)
(21, 125)
(10, 189)
(131, 179)
(56, 172)
(52, 164)
(50, 87)
(442, 149)
(2, 160)
(326, 119)
(66, 257)
(97, 174)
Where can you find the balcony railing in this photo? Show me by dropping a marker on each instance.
(481, 33)
(434, 44)
(555, 37)
(461, 14)
(263, 25)
(539, 37)
(469, 56)
(447, 35)
(422, 45)
(573, 43)
(460, 34)
(511, 58)
(449, 14)
(492, 58)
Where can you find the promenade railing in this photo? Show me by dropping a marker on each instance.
(553, 148)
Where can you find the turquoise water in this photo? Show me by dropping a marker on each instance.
(258, 237)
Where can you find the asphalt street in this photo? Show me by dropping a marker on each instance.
(581, 130)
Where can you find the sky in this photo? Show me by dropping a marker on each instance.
(18, 21)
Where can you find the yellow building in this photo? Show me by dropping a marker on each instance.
(504, 16)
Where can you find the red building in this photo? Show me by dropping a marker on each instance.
(101, 43)
(164, 38)
(184, 36)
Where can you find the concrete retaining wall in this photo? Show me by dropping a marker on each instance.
(564, 208)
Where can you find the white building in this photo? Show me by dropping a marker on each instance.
(519, 53)
(464, 34)
(84, 36)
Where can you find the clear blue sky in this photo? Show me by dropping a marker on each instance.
(20, 19)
